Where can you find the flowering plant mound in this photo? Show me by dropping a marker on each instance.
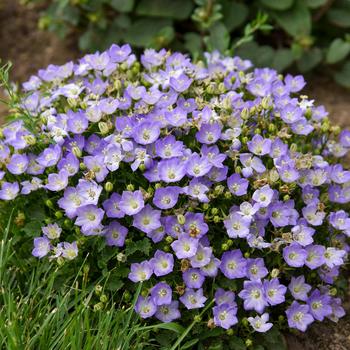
(213, 184)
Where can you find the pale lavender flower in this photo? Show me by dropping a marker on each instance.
(259, 146)
(209, 133)
(171, 170)
(115, 234)
(69, 250)
(111, 206)
(146, 132)
(298, 288)
(140, 272)
(168, 313)
(193, 278)
(9, 190)
(197, 166)
(161, 294)
(260, 323)
(41, 247)
(274, 291)
(193, 299)
(57, 182)
(233, 265)
(147, 220)
(166, 197)
(185, 247)
(256, 269)
(237, 185)
(18, 164)
(299, 316)
(131, 203)
(202, 256)
(52, 231)
(89, 217)
(225, 315)
(319, 305)
(237, 225)
(294, 255)
(315, 256)
(253, 295)
(162, 263)
(145, 307)
(263, 196)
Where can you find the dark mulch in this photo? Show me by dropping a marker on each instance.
(30, 49)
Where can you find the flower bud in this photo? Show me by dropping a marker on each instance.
(275, 273)
(246, 255)
(333, 292)
(103, 298)
(214, 211)
(248, 342)
(76, 151)
(181, 219)
(229, 242)
(98, 307)
(127, 295)
(166, 248)
(230, 332)
(121, 257)
(211, 323)
(216, 219)
(144, 293)
(273, 176)
(265, 102)
(228, 195)
(47, 221)
(130, 187)
(224, 247)
(257, 131)
(197, 318)
(49, 203)
(98, 289)
(67, 223)
(72, 102)
(108, 186)
(58, 214)
(245, 322)
(142, 167)
(271, 128)
(205, 206)
(103, 127)
(169, 239)
(82, 166)
(30, 139)
(245, 114)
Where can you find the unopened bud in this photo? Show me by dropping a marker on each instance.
(108, 186)
(130, 187)
(58, 214)
(76, 151)
(121, 257)
(103, 127)
(181, 219)
(275, 273)
(103, 298)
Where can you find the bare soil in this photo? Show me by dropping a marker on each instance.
(31, 49)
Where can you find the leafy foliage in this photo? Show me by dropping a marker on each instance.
(305, 32)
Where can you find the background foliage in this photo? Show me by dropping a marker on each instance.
(304, 34)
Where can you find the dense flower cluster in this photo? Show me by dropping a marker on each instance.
(235, 179)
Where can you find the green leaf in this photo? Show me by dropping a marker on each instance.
(296, 21)
(189, 344)
(235, 14)
(143, 246)
(339, 14)
(261, 56)
(237, 343)
(122, 5)
(193, 43)
(218, 39)
(315, 3)
(179, 9)
(282, 59)
(337, 51)
(143, 31)
(114, 284)
(343, 76)
(309, 59)
(277, 4)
